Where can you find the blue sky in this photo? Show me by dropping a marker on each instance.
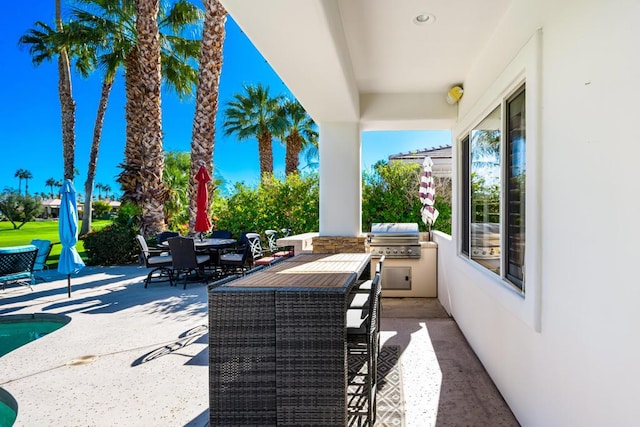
(30, 134)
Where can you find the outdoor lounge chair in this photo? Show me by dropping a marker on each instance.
(155, 261)
(185, 259)
(16, 265)
(44, 249)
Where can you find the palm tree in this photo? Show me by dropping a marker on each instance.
(50, 183)
(44, 44)
(149, 117)
(140, 163)
(20, 175)
(176, 55)
(99, 187)
(67, 103)
(254, 114)
(202, 140)
(301, 133)
(112, 30)
(107, 189)
(26, 175)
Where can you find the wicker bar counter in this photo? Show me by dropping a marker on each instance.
(277, 345)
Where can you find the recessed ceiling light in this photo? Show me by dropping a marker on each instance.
(424, 18)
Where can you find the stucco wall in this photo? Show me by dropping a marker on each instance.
(570, 356)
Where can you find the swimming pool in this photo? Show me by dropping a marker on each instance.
(19, 329)
(15, 331)
(8, 408)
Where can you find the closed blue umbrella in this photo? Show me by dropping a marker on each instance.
(70, 261)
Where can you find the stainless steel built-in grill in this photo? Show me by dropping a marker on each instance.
(394, 240)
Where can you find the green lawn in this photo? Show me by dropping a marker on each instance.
(47, 230)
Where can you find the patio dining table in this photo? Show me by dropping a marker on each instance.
(277, 342)
(212, 246)
(208, 243)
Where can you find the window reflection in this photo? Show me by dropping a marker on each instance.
(485, 191)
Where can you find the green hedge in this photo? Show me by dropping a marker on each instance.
(115, 244)
(274, 204)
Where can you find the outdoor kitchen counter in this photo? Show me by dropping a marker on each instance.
(277, 343)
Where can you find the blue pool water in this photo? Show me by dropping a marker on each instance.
(8, 409)
(16, 331)
(20, 329)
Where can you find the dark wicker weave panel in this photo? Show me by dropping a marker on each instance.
(242, 371)
(17, 261)
(311, 360)
(277, 344)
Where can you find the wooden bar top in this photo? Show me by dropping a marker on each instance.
(307, 271)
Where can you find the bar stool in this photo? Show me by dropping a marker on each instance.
(362, 354)
(365, 287)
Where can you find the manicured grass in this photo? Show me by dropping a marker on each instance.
(47, 230)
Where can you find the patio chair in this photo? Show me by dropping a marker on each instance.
(222, 234)
(285, 232)
(44, 249)
(257, 251)
(362, 350)
(360, 296)
(16, 265)
(155, 261)
(235, 262)
(365, 287)
(163, 236)
(276, 251)
(185, 258)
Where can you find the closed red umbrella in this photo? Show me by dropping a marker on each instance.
(203, 223)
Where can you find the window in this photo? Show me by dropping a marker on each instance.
(493, 191)
(515, 194)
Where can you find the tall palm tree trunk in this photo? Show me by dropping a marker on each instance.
(292, 156)
(150, 117)
(67, 104)
(202, 141)
(265, 153)
(107, 84)
(130, 177)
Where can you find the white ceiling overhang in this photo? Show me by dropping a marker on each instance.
(304, 43)
(368, 61)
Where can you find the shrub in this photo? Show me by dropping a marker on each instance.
(115, 244)
(390, 194)
(101, 209)
(274, 204)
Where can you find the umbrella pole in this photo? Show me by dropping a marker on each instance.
(69, 285)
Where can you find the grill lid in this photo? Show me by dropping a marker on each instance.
(394, 240)
(395, 229)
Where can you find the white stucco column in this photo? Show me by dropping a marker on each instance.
(340, 179)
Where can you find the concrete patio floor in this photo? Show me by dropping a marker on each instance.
(138, 357)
